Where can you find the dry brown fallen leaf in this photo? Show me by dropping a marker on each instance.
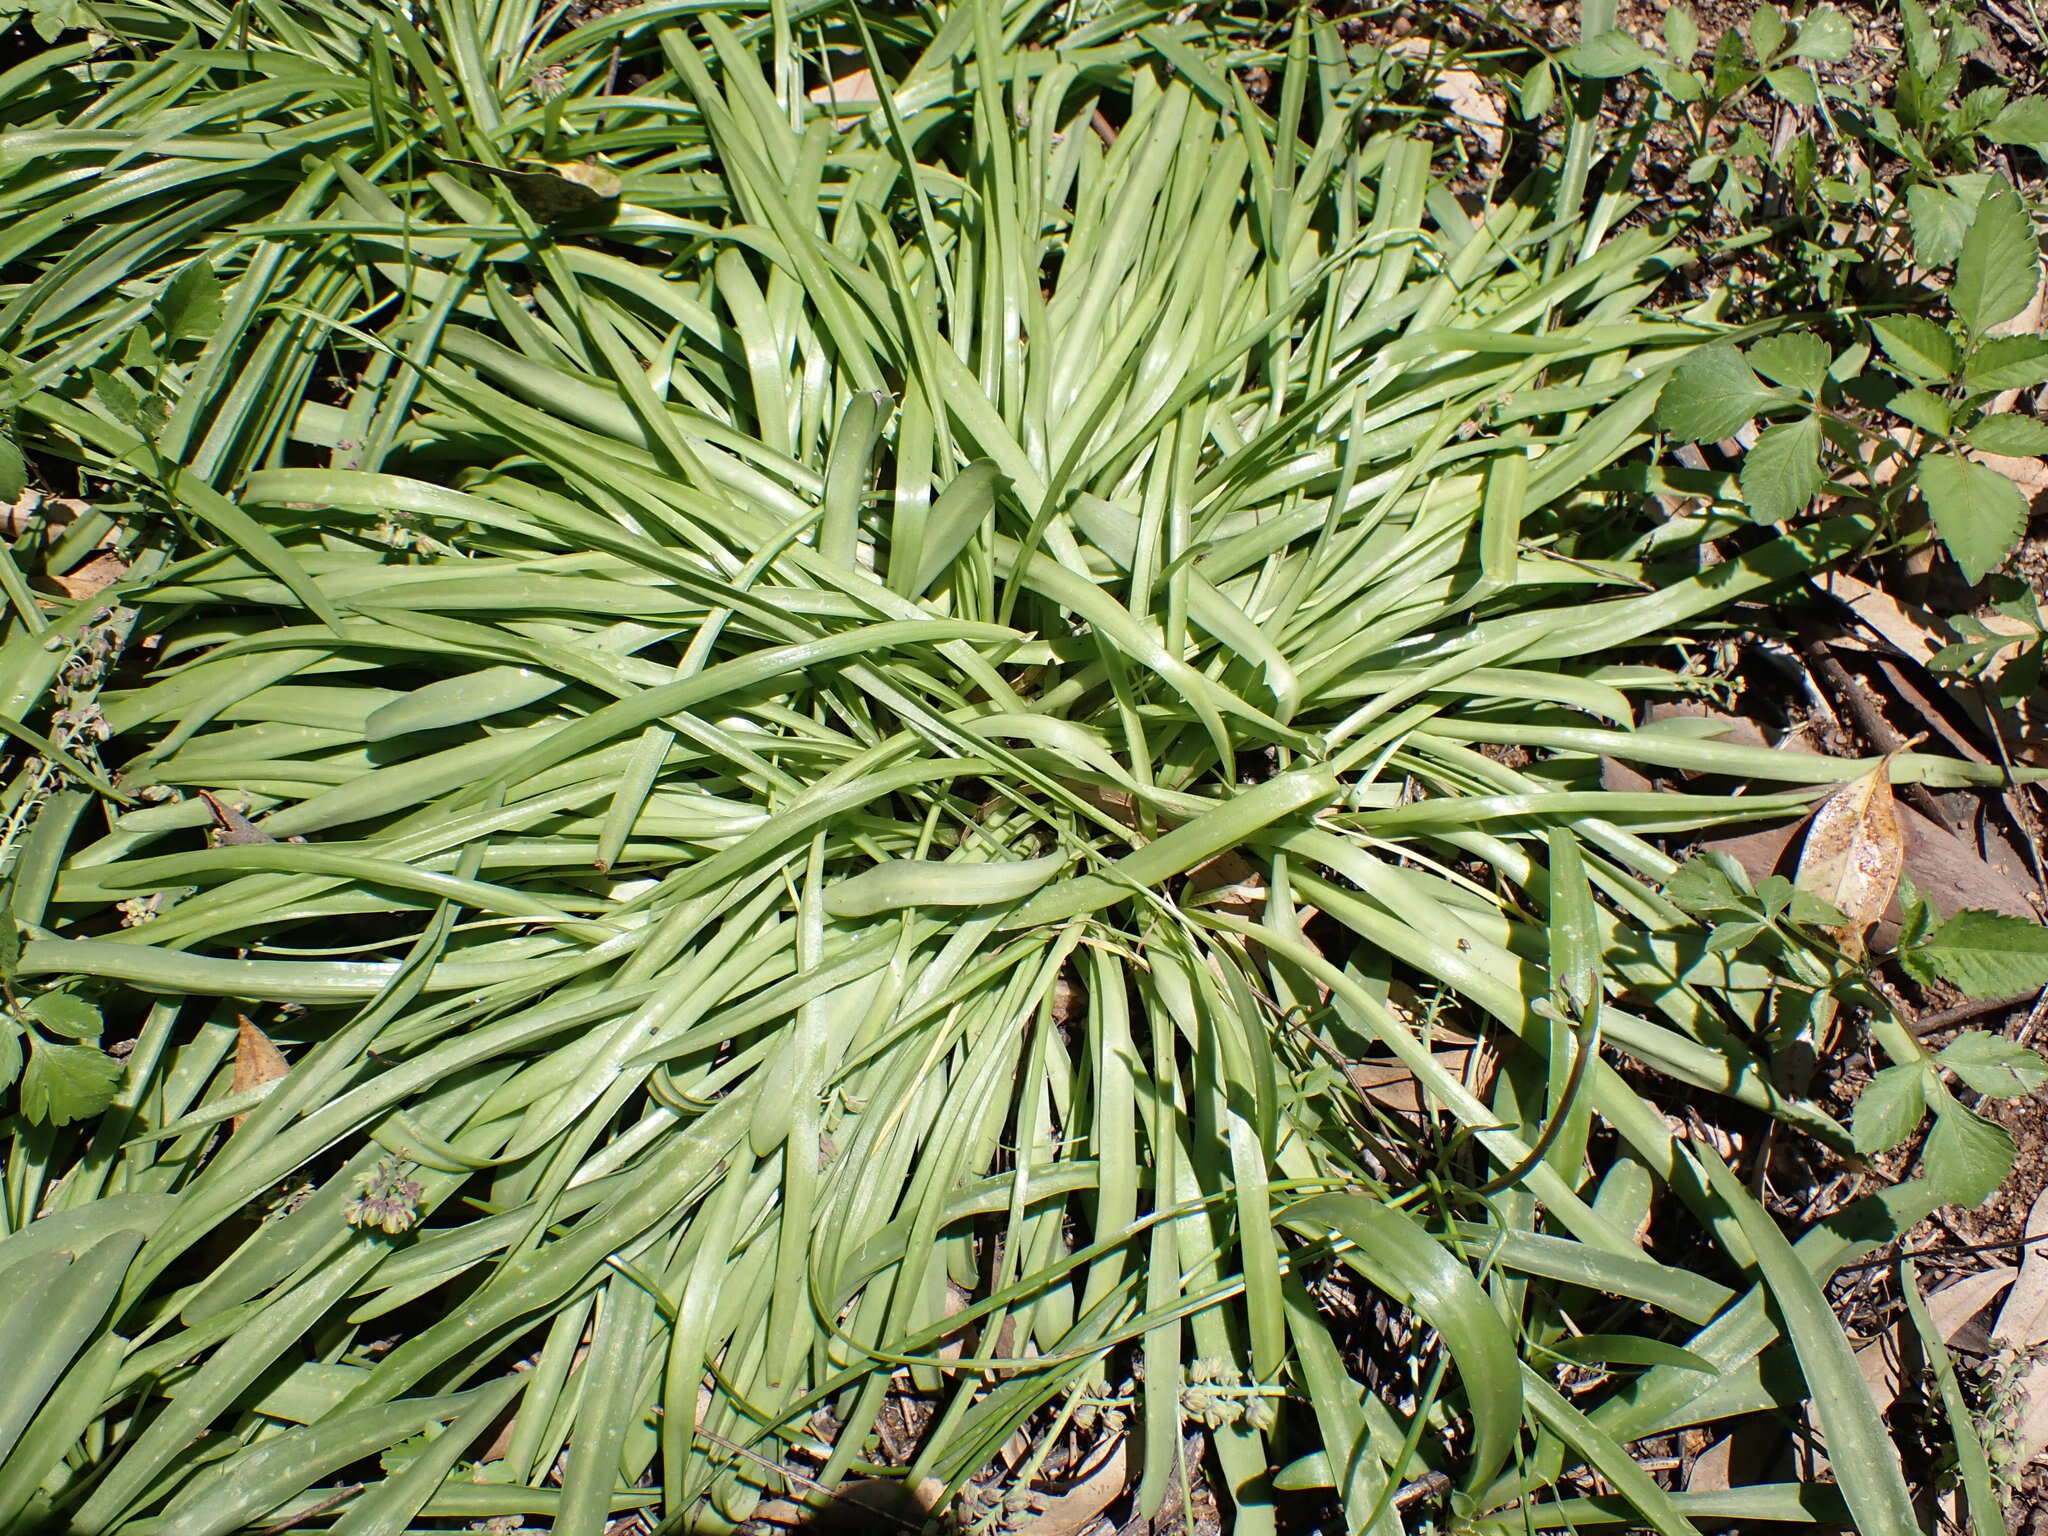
(257, 1061)
(98, 573)
(1950, 1308)
(1102, 1479)
(1949, 873)
(32, 507)
(2030, 475)
(1464, 93)
(554, 191)
(2022, 1325)
(2023, 1320)
(1915, 631)
(1854, 852)
(852, 95)
(1393, 1086)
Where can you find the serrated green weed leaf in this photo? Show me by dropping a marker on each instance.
(1712, 394)
(1987, 954)
(1917, 346)
(2011, 434)
(1890, 1107)
(1781, 475)
(1978, 512)
(64, 1083)
(1993, 1065)
(1797, 361)
(1967, 1157)
(1999, 265)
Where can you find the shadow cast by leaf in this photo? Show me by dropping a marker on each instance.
(871, 1507)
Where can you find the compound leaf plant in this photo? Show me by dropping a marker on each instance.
(1900, 414)
(791, 700)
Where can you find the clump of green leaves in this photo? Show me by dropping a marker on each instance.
(1984, 953)
(1874, 191)
(2010, 656)
(49, 1046)
(1899, 412)
(879, 729)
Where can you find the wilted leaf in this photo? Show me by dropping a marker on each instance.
(257, 1061)
(556, 192)
(93, 577)
(1082, 1504)
(232, 826)
(1976, 510)
(1853, 853)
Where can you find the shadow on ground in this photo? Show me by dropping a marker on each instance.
(873, 1508)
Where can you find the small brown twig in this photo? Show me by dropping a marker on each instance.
(1875, 728)
(1962, 1013)
(339, 1496)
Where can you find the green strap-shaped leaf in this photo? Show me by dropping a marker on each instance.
(1866, 1462)
(54, 1305)
(1394, 1252)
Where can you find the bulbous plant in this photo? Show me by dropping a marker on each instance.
(844, 676)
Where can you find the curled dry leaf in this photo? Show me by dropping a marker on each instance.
(2023, 1325)
(1464, 93)
(1914, 631)
(32, 509)
(2030, 475)
(1854, 851)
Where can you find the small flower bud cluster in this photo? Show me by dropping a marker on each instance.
(1217, 1394)
(389, 1202)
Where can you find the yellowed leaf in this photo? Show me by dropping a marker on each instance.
(257, 1061)
(1854, 850)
